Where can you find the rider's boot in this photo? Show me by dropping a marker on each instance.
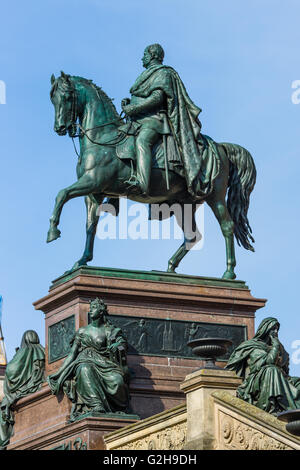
(139, 184)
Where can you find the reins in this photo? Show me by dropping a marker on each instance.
(84, 132)
(109, 143)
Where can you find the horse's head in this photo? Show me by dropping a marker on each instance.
(63, 97)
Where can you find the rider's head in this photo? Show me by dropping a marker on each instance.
(153, 53)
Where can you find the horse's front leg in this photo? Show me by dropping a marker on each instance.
(92, 217)
(84, 186)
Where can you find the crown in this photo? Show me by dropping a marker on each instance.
(98, 303)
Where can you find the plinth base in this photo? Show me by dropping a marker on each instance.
(42, 423)
(159, 313)
(198, 388)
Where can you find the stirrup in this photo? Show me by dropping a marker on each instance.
(132, 183)
(132, 180)
(135, 188)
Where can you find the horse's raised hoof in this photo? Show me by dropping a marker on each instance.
(229, 275)
(53, 234)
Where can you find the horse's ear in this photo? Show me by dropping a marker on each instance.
(64, 75)
(52, 79)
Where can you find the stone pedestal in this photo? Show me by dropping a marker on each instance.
(199, 387)
(41, 423)
(159, 313)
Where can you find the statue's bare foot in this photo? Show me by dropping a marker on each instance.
(229, 275)
(53, 234)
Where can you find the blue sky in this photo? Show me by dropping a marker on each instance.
(238, 61)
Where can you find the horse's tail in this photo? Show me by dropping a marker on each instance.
(242, 178)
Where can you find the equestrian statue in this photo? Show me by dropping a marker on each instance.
(156, 154)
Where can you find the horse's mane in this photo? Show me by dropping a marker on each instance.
(102, 95)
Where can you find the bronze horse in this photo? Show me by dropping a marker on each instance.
(79, 103)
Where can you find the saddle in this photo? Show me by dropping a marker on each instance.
(126, 150)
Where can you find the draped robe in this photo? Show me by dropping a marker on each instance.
(94, 381)
(265, 370)
(198, 153)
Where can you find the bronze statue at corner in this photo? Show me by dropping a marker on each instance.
(95, 375)
(24, 375)
(263, 363)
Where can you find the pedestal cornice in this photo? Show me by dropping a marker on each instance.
(165, 287)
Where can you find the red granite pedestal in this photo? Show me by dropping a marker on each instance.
(42, 424)
(167, 304)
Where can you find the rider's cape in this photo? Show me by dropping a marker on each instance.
(199, 156)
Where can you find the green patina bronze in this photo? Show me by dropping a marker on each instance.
(94, 375)
(24, 375)
(169, 338)
(263, 363)
(59, 337)
(149, 336)
(160, 106)
(156, 276)
(157, 155)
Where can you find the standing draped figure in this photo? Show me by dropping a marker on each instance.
(24, 375)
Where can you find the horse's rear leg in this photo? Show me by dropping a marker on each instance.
(92, 217)
(186, 220)
(220, 210)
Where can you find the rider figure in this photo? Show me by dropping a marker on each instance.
(160, 106)
(148, 119)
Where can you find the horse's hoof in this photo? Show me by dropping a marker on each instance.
(68, 272)
(229, 275)
(78, 264)
(171, 268)
(53, 234)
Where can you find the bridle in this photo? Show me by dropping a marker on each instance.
(84, 132)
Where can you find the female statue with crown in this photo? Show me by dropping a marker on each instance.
(94, 375)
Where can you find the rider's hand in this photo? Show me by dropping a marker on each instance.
(125, 102)
(274, 339)
(129, 110)
(113, 347)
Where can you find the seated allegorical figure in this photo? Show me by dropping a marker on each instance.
(263, 363)
(24, 375)
(94, 375)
